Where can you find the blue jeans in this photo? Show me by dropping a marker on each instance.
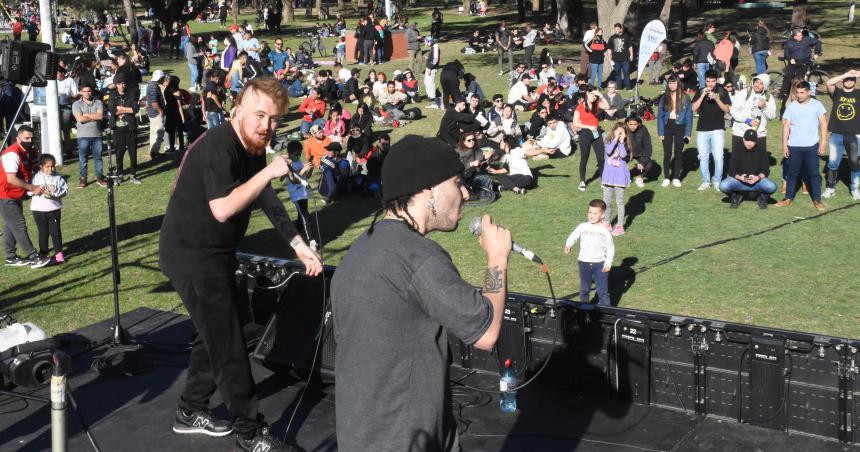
(306, 126)
(589, 271)
(94, 144)
(193, 68)
(838, 146)
(214, 119)
(731, 185)
(711, 143)
(596, 77)
(760, 58)
(803, 161)
(701, 68)
(622, 70)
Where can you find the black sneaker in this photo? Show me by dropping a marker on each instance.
(762, 201)
(38, 261)
(16, 262)
(202, 422)
(736, 201)
(262, 441)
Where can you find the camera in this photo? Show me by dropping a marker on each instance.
(27, 63)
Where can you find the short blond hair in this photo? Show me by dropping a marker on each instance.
(270, 87)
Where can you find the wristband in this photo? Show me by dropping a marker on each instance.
(295, 242)
(748, 121)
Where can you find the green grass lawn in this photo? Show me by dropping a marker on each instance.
(789, 268)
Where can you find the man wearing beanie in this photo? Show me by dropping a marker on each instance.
(395, 298)
(748, 171)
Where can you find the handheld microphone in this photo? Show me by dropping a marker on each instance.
(475, 228)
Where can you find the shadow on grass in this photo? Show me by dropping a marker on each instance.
(636, 205)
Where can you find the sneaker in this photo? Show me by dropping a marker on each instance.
(619, 230)
(676, 183)
(261, 441)
(829, 193)
(762, 201)
(581, 186)
(202, 422)
(16, 262)
(640, 182)
(38, 261)
(134, 180)
(501, 72)
(855, 195)
(59, 258)
(82, 182)
(101, 183)
(665, 183)
(704, 186)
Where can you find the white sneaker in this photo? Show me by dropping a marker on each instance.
(856, 195)
(581, 186)
(501, 72)
(704, 186)
(665, 183)
(829, 193)
(640, 182)
(676, 182)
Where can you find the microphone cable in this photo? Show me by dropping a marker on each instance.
(545, 270)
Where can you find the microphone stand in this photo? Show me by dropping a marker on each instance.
(120, 337)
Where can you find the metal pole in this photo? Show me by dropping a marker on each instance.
(51, 131)
(59, 436)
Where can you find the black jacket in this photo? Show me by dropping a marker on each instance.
(449, 127)
(759, 40)
(701, 49)
(350, 88)
(640, 141)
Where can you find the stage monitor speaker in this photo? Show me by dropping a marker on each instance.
(633, 358)
(302, 317)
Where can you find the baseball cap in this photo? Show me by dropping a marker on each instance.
(157, 75)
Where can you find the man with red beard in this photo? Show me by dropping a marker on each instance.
(221, 176)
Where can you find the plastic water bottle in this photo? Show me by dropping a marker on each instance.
(508, 384)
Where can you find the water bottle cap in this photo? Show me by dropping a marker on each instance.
(508, 363)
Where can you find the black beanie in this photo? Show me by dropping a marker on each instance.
(415, 163)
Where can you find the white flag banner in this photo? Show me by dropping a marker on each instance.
(653, 34)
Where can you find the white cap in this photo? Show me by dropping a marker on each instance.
(397, 72)
(157, 75)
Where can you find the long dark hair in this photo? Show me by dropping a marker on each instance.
(680, 103)
(593, 108)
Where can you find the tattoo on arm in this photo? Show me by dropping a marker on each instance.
(494, 281)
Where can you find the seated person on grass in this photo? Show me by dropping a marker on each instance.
(748, 171)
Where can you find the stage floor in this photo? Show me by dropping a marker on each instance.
(136, 413)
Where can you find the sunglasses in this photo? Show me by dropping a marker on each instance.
(498, 101)
(469, 140)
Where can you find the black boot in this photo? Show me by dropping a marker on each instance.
(736, 200)
(762, 201)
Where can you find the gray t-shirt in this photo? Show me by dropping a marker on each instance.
(91, 129)
(395, 296)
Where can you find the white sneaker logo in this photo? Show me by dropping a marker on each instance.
(260, 447)
(200, 422)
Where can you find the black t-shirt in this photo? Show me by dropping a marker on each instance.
(598, 48)
(843, 116)
(193, 243)
(209, 104)
(710, 115)
(620, 47)
(395, 297)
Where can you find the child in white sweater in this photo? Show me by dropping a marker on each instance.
(596, 251)
(46, 207)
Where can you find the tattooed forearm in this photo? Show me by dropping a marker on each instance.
(494, 280)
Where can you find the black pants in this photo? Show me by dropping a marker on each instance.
(673, 143)
(366, 50)
(356, 53)
(647, 167)
(125, 140)
(48, 223)
(529, 51)
(586, 141)
(511, 181)
(218, 358)
(173, 128)
(791, 72)
(450, 88)
(436, 30)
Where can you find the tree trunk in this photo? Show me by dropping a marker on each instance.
(521, 11)
(234, 11)
(631, 20)
(666, 13)
(569, 16)
(289, 15)
(466, 9)
(798, 13)
(319, 9)
(685, 13)
(610, 12)
(340, 7)
(130, 19)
